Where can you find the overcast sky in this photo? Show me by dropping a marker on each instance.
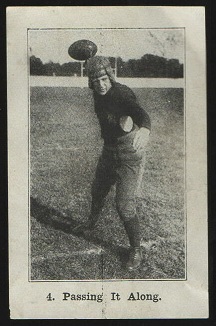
(52, 45)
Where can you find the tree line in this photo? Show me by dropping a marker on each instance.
(148, 65)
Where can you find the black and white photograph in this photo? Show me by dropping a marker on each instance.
(107, 154)
(107, 162)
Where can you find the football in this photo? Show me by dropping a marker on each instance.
(126, 123)
(82, 50)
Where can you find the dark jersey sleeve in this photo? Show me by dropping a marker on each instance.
(130, 107)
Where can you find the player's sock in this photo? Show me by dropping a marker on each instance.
(132, 228)
(133, 231)
(91, 222)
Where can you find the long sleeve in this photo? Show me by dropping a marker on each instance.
(133, 109)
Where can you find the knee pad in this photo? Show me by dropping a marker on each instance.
(126, 209)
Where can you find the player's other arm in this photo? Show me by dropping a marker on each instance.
(140, 118)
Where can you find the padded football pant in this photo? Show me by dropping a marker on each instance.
(122, 165)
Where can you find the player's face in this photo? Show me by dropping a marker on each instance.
(102, 84)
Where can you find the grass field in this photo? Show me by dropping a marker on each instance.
(65, 145)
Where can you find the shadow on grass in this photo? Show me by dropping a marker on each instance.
(53, 218)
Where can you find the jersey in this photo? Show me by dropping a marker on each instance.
(118, 102)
